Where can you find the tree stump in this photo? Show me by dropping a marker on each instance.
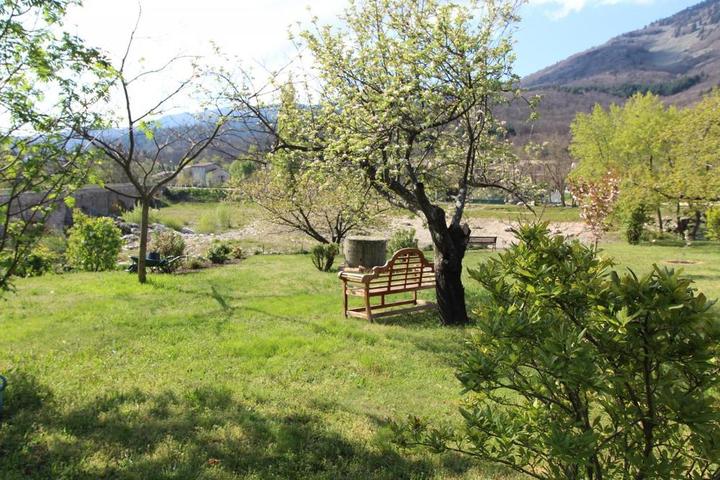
(365, 252)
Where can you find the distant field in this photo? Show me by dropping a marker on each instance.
(209, 217)
(247, 371)
(515, 212)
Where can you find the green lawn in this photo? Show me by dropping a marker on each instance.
(244, 371)
(516, 212)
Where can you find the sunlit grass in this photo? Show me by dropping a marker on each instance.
(243, 371)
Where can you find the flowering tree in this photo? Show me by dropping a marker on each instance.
(596, 200)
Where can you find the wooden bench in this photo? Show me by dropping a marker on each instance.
(406, 272)
(482, 242)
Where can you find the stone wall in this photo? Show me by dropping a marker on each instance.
(91, 200)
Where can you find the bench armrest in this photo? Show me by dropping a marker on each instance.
(356, 277)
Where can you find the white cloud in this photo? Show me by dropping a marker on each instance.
(559, 9)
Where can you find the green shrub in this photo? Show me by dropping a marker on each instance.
(169, 244)
(576, 372)
(402, 239)
(39, 261)
(712, 222)
(172, 223)
(135, 215)
(56, 242)
(93, 243)
(635, 224)
(207, 223)
(223, 214)
(323, 256)
(219, 253)
(236, 251)
(195, 263)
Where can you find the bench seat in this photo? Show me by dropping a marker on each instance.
(406, 272)
(481, 241)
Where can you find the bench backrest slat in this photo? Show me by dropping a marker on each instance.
(407, 268)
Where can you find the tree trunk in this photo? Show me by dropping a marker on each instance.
(450, 244)
(659, 220)
(142, 254)
(696, 226)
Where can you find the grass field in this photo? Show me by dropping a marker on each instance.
(515, 212)
(245, 371)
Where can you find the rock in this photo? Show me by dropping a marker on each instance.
(125, 228)
(187, 231)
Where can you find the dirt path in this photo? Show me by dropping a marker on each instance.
(263, 236)
(494, 228)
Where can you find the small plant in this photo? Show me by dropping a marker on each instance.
(93, 243)
(402, 239)
(169, 244)
(172, 223)
(219, 253)
(236, 251)
(712, 217)
(135, 215)
(223, 214)
(323, 255)
(207, 223)
(635, 224)
(196, 263)
(38, 262)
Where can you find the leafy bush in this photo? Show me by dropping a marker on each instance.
(402, 239)
(578, 373)
(207, 223)
(323, 255)
(93, 243)
(236, 251)
(712, 221)
(224, 216)
(195, 263)
(169, 244)
(39, 261)
(635, 223)
(219, 253)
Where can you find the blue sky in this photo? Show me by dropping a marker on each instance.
(254, 32)
(551, 31)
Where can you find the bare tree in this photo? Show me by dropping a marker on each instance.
(553, 158)
(142, 149)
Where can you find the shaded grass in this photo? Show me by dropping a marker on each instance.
(246, 371)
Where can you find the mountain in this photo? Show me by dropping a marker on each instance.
(677, 58)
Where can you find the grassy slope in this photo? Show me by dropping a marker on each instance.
(246, 371)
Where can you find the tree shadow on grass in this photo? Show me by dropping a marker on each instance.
(205, 432)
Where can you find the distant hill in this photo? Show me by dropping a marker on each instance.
(677, 58)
